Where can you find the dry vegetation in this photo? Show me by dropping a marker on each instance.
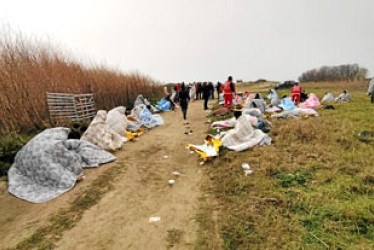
(313, 188)
(30, 68)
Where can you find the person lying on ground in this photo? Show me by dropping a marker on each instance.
(343, 97)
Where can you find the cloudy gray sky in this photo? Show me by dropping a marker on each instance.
(186, 40)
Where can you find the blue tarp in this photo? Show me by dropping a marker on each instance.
(163, 104)
(287, 104)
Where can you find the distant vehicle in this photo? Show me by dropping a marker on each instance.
(285, 85)
(239, 80)
(260, 80)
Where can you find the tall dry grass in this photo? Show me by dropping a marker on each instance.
(29, 68)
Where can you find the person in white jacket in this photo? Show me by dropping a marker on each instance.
(371, 90)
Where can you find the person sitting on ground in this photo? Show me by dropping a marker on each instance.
(303, 96)
(371, 89)
(259, 103)
(287, 103)
(172, 104)
(343, 97)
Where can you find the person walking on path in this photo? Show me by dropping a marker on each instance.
(206, 94)
(296, 93)
(218, 87)
(371, 90)
(228, 90)
(183, 100)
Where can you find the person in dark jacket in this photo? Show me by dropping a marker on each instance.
(218, 87)
(206, 94)
(184, 97)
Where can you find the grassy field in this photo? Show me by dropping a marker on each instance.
(313, 188)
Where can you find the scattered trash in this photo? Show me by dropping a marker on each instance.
(364, 134)
(165, 157)
(208, 150)
(192, 152)
(246, 166)
(248, 172)
(247, 169)
(202, 163)
(154, 219)
(171, 182)
(176, 173)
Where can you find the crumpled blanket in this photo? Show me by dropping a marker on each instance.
(143, 115)
(329, 97)
(312, 102)
(273, 96)
(273, 109)
(252, 111)
(101, 134)
(287, 104)
(140, 100)
(296, 113)
(117, 120)
(243, 136)
(164, 104)
(49, 164)
(260, 104)
(230, 123)
(343, 97)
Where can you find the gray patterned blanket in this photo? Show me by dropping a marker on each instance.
(49, 164)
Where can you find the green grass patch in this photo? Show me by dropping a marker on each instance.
(313, 188)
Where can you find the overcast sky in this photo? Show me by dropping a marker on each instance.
(187, 40)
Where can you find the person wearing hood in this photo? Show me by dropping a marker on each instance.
(344, 97)
(184, 97)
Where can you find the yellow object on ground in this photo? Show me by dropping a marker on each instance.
(208, 150)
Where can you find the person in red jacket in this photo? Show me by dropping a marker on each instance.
(296, 92)
(228, 90)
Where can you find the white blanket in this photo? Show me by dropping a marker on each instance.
(101, 134)
(117, 120)
(243, 136)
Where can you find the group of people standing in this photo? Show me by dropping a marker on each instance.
(184, 93)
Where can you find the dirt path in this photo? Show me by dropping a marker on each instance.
(120, 219)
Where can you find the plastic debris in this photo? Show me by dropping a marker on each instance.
(154, 219)
(247, 169)
(248, 172)
(202, 163)
(246, 166)
(192, 152)
(176, 173)
(171, 182)
(208, 150)
(165, 157)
